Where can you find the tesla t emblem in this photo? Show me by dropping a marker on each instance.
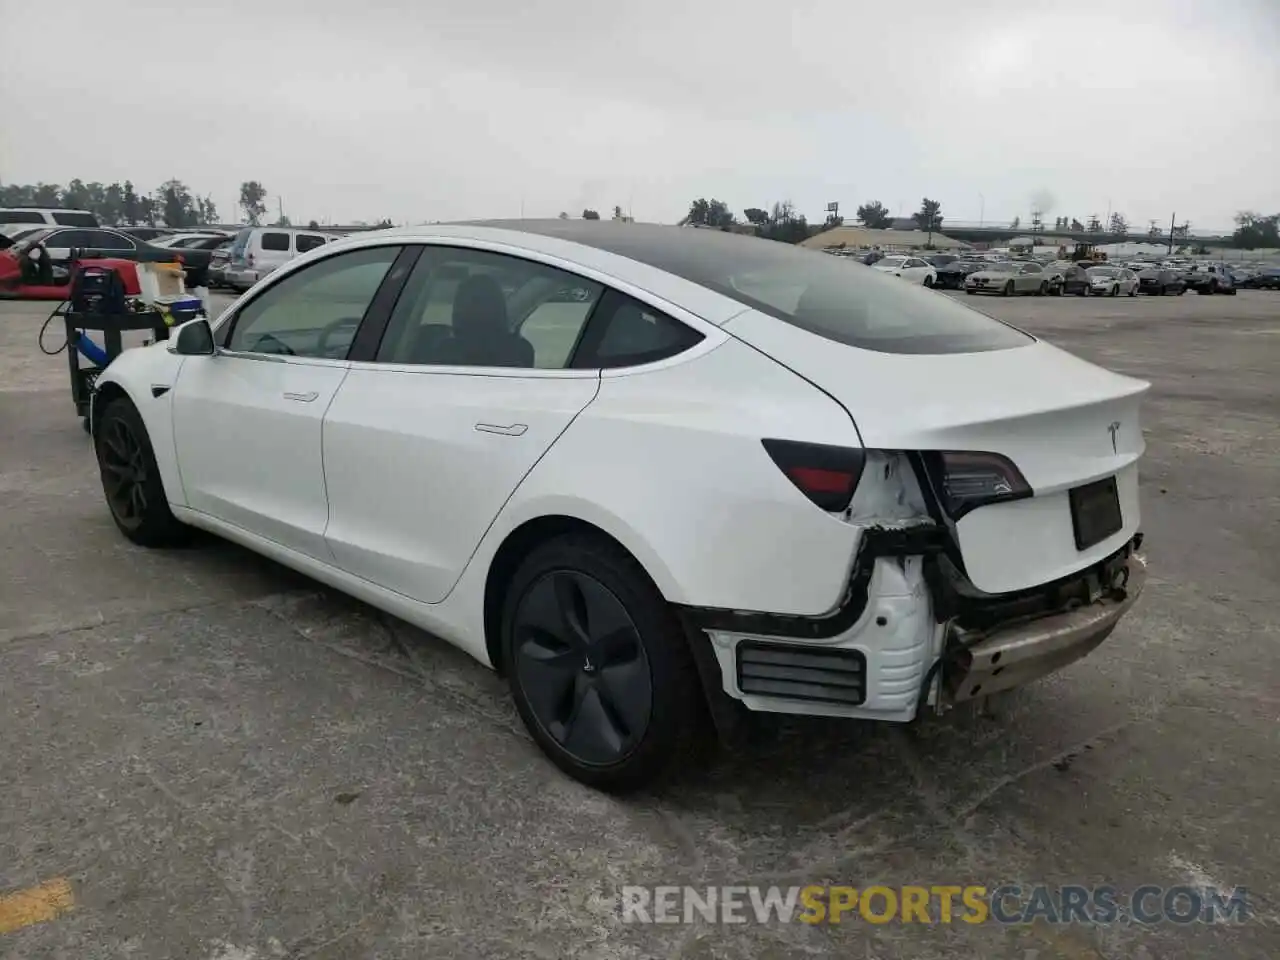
(1113, 430)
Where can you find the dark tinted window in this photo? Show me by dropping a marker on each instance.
(473, 308)
(808, 289)
(68, 219)
(625, 333)
(275, 241)
(20, 216)
(69, 239)
(106, 240)
(314, 312)
(309, 241)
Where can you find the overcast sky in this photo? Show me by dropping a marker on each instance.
(360, 109)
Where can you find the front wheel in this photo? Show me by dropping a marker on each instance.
(1044, 288)
(1115, 290)
(1008, 289)
(131, 479)
(928, 281)
(598, 665)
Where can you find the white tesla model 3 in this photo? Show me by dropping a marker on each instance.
(644, 470)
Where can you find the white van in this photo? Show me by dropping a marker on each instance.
(257, 251)
(49, 216)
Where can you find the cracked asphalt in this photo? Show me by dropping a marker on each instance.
(226, 761)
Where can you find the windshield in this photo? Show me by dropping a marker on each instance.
(1002, 268)
(1109, 273)
(894, 262)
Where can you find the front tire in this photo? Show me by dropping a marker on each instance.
(1044, 289)
(598, 665)
(131, 479)
(1008, 289)
(928, 282)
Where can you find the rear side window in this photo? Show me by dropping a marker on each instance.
(21, 216)
(66, 219)
(624, 332)
(275, 241)
(308, 241)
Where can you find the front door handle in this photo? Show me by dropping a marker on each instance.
(510, 430)
(302, 397)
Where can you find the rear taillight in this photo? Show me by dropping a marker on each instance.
(966, 480)
(825, 474)
(249, 259)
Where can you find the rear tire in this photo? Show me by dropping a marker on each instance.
(131, 479)
(599, 666)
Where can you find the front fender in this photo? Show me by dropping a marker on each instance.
(147, 376)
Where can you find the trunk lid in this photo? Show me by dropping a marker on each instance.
(1063, 422)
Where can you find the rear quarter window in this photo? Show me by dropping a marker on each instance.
(275, 241)
(75, 219)
(623, 332)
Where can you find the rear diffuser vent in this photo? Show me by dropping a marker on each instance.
(795, 672)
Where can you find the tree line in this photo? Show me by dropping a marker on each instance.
(172, 204)
(782, 222)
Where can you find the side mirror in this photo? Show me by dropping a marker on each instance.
(194, 339)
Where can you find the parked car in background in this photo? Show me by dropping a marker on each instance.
(951, 276)
(1161, 281)
(256, 252)
(195, 240)
(871, 257)
(1075, 279)
(1268, 278)
(1210, 278)
(49, 253)
(912, 269)
(1008, 278)
(219, 258)
(48, 216)
(927, 505)
(942, 259)
(1112, 281)
(1055, 274)
(146, 233)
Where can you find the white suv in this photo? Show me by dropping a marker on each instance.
(257, 251)
(48, 216)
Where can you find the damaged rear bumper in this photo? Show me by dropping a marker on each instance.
(1000, 659)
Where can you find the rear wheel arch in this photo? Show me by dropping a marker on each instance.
(519, 544)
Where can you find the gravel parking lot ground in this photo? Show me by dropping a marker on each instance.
(206, 756)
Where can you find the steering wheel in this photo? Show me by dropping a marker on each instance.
(333, 327)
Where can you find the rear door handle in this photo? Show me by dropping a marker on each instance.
(302, 397)
(511, 430)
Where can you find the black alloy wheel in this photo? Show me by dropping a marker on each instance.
(124, 472)
(580, 661)
(131, 479)
(599, 666)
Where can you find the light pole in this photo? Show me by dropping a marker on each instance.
(982, 210)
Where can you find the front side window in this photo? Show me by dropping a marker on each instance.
(474, 308)
(309, 241)
(275, 241)
(314, 312)
(68, 240)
